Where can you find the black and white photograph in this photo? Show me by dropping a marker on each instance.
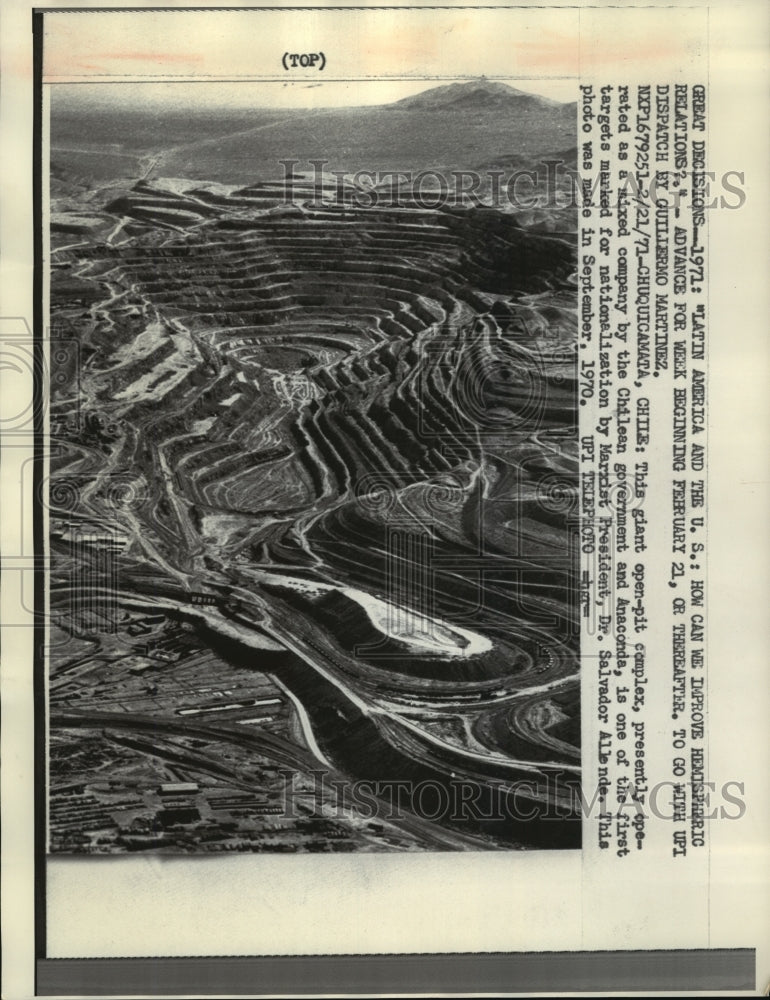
(381, 498)
(312, 489)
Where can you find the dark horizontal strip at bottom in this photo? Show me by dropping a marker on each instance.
(716, 970)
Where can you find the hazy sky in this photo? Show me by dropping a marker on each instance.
(257, 94)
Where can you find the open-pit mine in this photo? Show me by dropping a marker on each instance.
(312, 516)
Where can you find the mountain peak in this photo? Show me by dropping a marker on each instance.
(480, 93)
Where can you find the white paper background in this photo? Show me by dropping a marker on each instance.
(532, 901)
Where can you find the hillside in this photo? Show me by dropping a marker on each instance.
(456, 126)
